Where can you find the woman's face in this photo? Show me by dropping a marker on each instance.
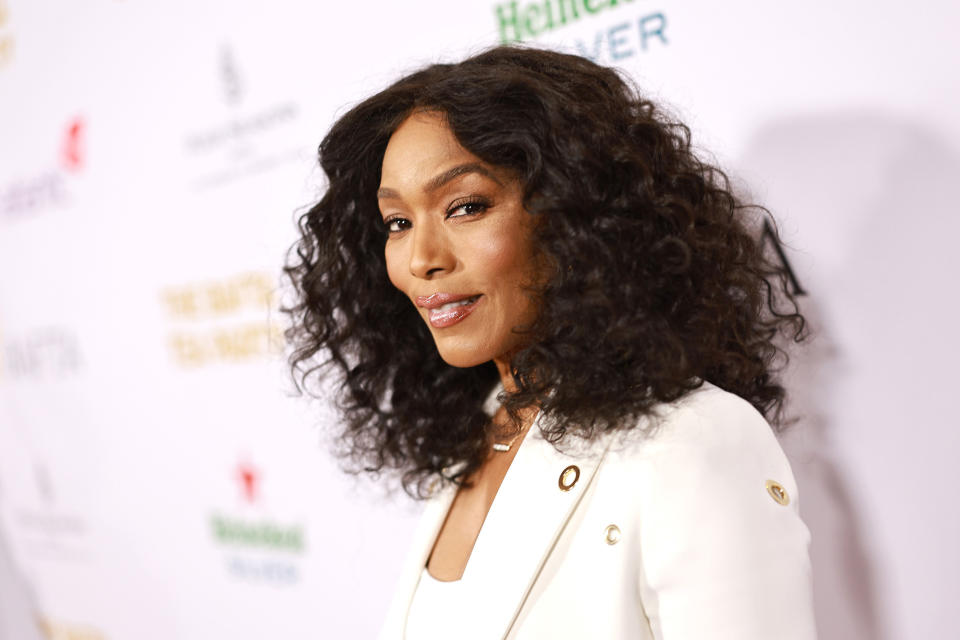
(459, 244)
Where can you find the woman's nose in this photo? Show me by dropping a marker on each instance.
(430, 253)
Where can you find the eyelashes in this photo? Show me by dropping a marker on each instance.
(396, 224)
(471, 206)
(460, 208)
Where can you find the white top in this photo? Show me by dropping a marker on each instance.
(439, 609)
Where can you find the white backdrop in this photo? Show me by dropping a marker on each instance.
(157, 477)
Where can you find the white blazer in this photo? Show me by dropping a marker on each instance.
(692, 533)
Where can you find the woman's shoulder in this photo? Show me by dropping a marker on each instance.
(704, 418)
(707, 436)
(711, 504)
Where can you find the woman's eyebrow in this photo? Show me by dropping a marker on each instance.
(438, 181)
(461, 169)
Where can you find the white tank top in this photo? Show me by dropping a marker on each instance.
(440, 610)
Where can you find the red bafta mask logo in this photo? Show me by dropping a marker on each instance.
(248, 477)
(72, 152)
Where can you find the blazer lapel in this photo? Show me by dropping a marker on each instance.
(521, 529)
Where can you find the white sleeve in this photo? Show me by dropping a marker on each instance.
(721, 557)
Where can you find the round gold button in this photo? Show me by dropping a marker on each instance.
(777, 492)
(612, 534)
(569, 477)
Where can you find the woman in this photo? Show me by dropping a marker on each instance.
(559, 325)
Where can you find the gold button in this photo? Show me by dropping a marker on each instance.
(777, 492)
(569, 477)
(612, 534)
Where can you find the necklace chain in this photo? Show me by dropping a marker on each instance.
(505, 446)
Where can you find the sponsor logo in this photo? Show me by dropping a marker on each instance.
(47, 189)
(257, 535)
(519, 21)
(42, 353)
(230, 77)
(245, 141)
(29, 195)
(624, 39)
(225, 321)
(46, 527)
(257, 548)
(7, 42)
(72, 152)
(248, 475)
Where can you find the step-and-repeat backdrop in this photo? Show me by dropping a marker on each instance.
(158, 476)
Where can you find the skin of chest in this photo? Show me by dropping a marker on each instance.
(458, 535)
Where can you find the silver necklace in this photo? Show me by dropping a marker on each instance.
(505, 446)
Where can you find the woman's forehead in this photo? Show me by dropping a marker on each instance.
(423, 154)
(422, 142)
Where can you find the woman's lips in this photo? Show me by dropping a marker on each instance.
(452, 312)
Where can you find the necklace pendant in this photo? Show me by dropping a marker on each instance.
(499, 446)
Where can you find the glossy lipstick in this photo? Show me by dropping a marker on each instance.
(447, 309)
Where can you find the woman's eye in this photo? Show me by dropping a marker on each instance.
(470, 208)
(396, 225)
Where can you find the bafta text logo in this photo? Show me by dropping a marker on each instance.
(40, 353)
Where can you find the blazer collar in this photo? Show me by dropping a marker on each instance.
(523, 525)
(521, 529)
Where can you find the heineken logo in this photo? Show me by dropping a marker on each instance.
(257, 534)
(257, 549)
(518, 21)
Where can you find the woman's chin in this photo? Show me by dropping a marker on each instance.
(463, 356)
(463, 360)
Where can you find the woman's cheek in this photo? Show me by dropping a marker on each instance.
(500, 253)
(394, 271)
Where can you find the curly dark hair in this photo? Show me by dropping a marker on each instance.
(660, 277)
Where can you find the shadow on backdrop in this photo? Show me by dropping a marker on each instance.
(876, 194)
(18, 604)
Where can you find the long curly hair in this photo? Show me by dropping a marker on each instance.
(660, 279)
